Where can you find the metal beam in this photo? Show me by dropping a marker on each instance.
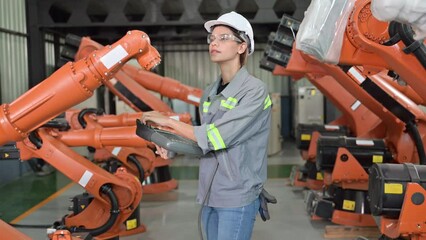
(36, 47)
(164, 20)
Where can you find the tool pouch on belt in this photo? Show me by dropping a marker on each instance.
(265, 198)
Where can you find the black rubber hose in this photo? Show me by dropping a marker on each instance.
(393, 33)
(406, 34)
(60, 125)
(132, 158)
(35, 139)
(112, 218)
(83, 112)
(412, 128)
(29, 225)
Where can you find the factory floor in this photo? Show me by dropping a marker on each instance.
(34, 200)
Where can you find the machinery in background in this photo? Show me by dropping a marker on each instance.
(306, 134)
(133, 86)
(132, 82)
(275, 139)
(397, 192)
(120, 130)
(115, 196)
(120, 147)
(385, 45)
(308, 106)
(276, 54)
(392, 136)
(87, 213)
(365, 38)
(127, 90)
(397, 195)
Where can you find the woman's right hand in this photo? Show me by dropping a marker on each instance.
(156, 117)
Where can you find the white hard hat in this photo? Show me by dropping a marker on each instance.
(236, 21)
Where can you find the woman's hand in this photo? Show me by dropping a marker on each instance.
(162, 152)
(161, 120)
(155, 117)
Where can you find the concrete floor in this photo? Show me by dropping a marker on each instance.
(173, 215)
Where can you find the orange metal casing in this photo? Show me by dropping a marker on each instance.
(105, 137)
(50, 98)
(71, 84)
(411, 223)
(12, 233)
(166, 86)
(360, 120)
(363, 45)
(139, 80)
(126, 187)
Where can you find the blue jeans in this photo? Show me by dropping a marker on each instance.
(229, 223)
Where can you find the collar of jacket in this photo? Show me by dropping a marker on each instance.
(233, 85)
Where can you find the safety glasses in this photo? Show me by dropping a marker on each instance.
(222, 38)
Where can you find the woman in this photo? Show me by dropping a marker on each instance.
(235, 125)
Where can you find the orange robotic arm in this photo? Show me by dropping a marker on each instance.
(359, 119)
(398, 139)
(121, 142)
(132, 152)
(12, 233)
(396, 135)
(115, 197)
(168, 87)
(404, 109)
(87, 119)
(365, 44)
(282, 51)
(126, 89)
(68, 86)
(135, 95)
(72, 84)
(76, 118)
(100, 137)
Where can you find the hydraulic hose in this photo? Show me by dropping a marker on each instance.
(106, 189)
(29, 226)
(132, 158)
(35, 139)
(55, 123)
(83, 112)
(416, 47)
(412, 128)
(393, 33)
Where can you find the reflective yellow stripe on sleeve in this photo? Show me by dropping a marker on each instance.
(206, 106)
(230, 103)
(214, 137)
(267, 102)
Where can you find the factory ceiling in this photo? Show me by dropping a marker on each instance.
(167, 21)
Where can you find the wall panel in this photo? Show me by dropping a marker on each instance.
(13, 69)
(13, 50)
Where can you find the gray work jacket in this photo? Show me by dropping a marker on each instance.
(234, 132)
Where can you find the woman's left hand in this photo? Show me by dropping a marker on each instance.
(155, 117)
(162, 152)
